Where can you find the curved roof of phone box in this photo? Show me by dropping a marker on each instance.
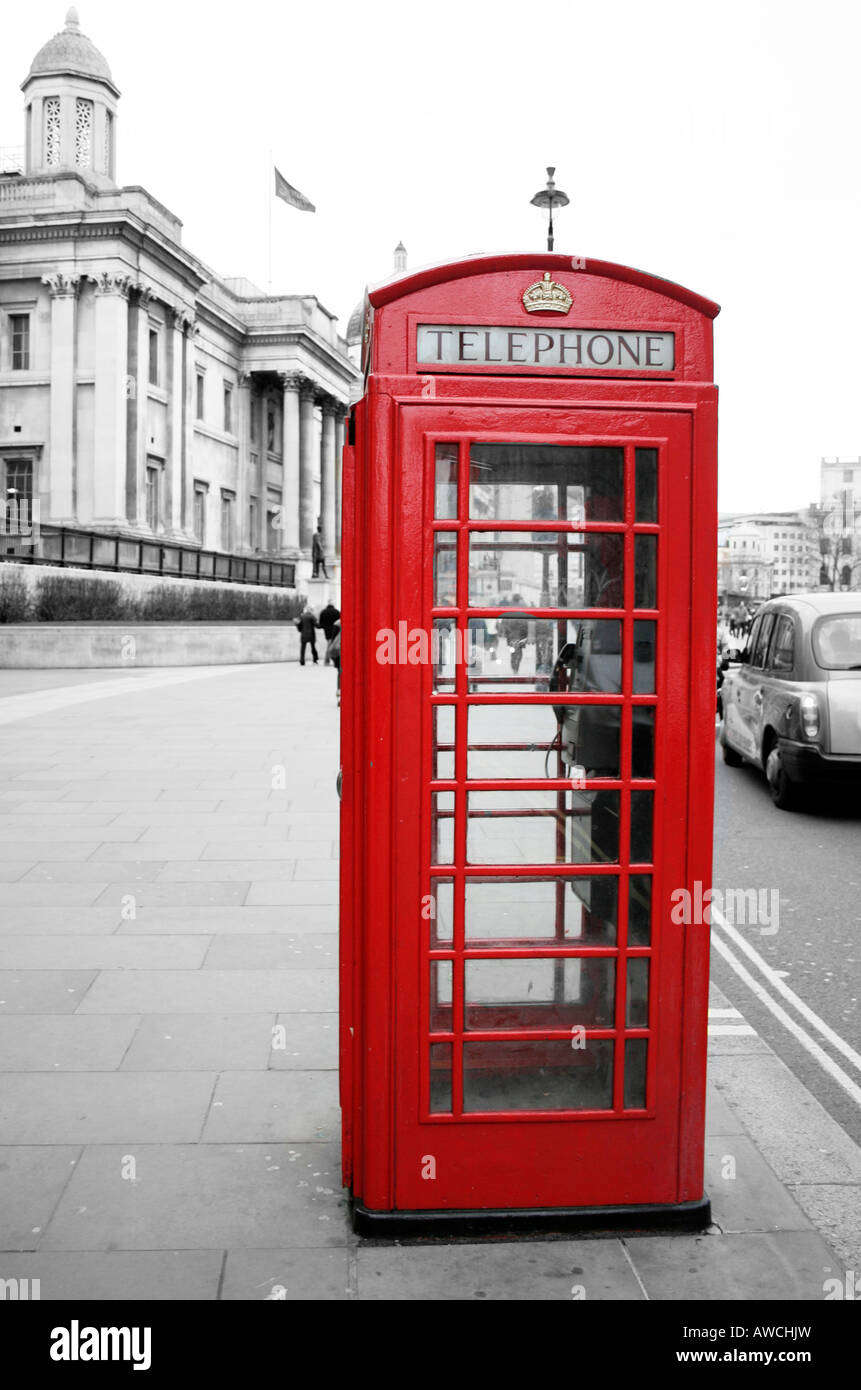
(527, 261)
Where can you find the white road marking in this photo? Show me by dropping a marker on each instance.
(809, 1044)
(776, 982)
(736, 1030)
(724, 1013)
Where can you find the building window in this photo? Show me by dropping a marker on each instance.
(228, 408)
(228, 509)
(201, 378)
(19, 329)
(17, 491)
(270, 428)
(252, 404)
(109, 144)
(271, 528)
(152, 496)
(83, 133)
(52, 131)
(201, 492)
(153, 357)
(253, 514)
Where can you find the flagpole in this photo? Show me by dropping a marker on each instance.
(271, 176)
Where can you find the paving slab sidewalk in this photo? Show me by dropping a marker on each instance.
(168, 896)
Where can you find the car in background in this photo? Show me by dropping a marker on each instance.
(792, 706)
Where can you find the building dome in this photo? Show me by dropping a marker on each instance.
(72, 52)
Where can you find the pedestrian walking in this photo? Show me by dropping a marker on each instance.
(328, 623)
(335, 653)
(307, 625)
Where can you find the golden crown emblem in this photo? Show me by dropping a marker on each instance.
(546, 296)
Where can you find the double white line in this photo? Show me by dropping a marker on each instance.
(809, 1043)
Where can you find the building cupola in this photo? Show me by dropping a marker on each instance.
(71, 108)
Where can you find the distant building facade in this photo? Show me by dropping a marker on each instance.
(140, 394)
(839, 522)
(764, 554)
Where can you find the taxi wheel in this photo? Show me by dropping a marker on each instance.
(730, 757)
(784, 793)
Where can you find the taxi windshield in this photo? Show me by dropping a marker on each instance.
(837, 642)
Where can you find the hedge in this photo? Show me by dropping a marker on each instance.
(59, 598)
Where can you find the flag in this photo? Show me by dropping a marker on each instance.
(291, 195)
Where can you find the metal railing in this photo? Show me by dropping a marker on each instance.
(65, 545)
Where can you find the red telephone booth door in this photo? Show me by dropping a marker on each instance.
(541, 748)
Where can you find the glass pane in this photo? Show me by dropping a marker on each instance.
(536, 827)
(511, 741)
(443, 742)
(445, 569)
(547, 569)
(640, 910)
(637, 1001)
(643, 741)
(646, 485)
(440, 909)
(644, 656)
(636, 1053)
(645, 571)
(641, 827)
(440, 996)
(540, 993)
(442, 828)
(445, 651)
(527, 482)
(533, 910)
(440, 1078)
(445, 489)
(548, 1075)
(513, 656)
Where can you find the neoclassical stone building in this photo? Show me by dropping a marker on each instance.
(140, 394)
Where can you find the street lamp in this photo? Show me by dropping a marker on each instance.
(549, 198)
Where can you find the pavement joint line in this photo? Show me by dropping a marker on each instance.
(626, 1252)
(812, 1047)
(789, 994)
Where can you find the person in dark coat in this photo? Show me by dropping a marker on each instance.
(328, 622)
(318, 556)
(335, 651)
(307, 625)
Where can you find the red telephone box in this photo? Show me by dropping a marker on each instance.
(529, 573)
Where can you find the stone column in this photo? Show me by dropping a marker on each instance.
(307, 509)
(189, 332)
(58, 487)
(137, 379)
(262, 540)
(172, 510)
(290, 459)
(243, 466)
(327, 479)
(340, 419)
(36, 152)
(111, 369)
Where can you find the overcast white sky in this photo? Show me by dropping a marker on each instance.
(714, 144)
